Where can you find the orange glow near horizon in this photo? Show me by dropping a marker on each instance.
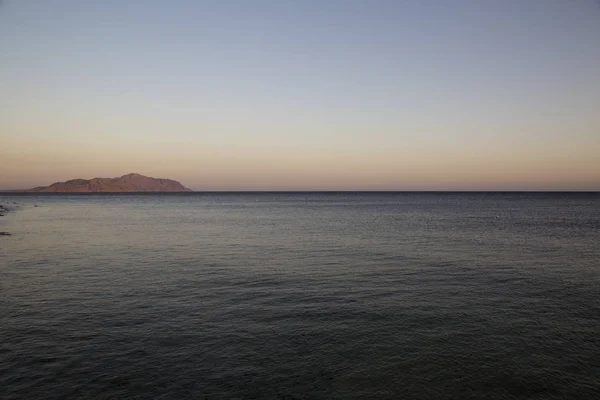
(29, 163)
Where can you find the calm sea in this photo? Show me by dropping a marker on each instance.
(301, 296)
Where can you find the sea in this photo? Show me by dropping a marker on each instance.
(300, 296)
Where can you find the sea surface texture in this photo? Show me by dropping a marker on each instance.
(301, 296)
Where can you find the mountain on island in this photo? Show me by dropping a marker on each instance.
(125, 183)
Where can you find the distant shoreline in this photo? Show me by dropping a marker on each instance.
(4, 211)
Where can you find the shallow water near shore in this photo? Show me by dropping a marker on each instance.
(301, 295)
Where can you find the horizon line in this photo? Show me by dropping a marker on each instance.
(26, 192)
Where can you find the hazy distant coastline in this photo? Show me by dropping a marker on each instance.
(125, 184)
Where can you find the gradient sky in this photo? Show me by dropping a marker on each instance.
(303, 95)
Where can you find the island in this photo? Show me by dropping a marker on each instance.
(129, 183)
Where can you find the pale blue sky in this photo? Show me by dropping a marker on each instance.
(236, 95)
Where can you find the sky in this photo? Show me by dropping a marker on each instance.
(303, 95)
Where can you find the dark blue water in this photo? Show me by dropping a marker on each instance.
(301, 296)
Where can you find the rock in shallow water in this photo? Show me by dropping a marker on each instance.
(5, 234)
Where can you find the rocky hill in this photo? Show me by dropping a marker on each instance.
(125, 183)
